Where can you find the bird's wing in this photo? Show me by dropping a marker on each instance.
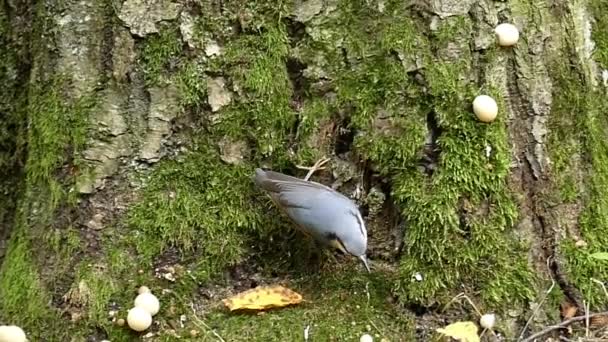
(289, 191)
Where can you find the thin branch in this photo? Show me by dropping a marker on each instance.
(462, 295)
(562, 325)
(586, 319)
(602, 285)
(538, 307)
(199, 322)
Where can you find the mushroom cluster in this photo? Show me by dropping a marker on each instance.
(145, 305)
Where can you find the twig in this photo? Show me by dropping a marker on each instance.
(462, 295)
(375, 326)
(537, 309)
(198, 321)
(586, 319)
(562, 325)
(521, 335)
(602, 285)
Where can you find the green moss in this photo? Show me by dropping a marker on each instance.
(257, 64)
(192, 84)
(577, 130)
(593, 221)
(314, 118)
(599, 10)
(64, 242)
(447, 252)
(564, 139)
(57, 133)
(197, 204)
(23, 297)
(482, 252)
(158, 53)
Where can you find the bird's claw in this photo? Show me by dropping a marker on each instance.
(316, 167)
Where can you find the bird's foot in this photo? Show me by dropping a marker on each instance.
(318, 166)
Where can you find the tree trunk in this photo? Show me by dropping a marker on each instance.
(130, 133)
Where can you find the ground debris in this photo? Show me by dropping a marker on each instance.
(262, 298)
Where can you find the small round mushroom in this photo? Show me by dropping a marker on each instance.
(488, 321)
(485, 108)
(366, 338)
(507, 34)
(143, 289)
(12, 333)
(139, 319)
(148, 302)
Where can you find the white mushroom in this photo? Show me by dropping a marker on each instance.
(488, 321)
(507, 34)
(366, 338)
(12, 333)
(485, 108)
(143, 289)
(148, 302)
(139, 319)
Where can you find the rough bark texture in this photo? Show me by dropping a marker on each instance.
(130, 132)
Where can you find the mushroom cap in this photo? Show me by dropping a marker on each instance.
(487, 321)
(143, 289)
(507, 34)
(485, 108)
(148, 302)
(12, 333)
(139, 319)
(366, 338)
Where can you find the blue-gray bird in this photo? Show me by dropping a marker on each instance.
(319, 211)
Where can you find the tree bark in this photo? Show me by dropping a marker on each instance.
(130, 132)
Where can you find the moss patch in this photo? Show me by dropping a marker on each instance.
(23, 297)
(459, 219)
(599, 10)
(159, 53)
(257, 64)
(57, 133)
(196, 205)
(593, 222)
(577, 129)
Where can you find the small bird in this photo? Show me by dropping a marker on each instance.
(325, 214)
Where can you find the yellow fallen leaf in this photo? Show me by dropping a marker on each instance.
(461, 331)
(262, 298)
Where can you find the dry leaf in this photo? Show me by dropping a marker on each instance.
(262, 298)
(568, 309)
(461, 331)
(599, 321)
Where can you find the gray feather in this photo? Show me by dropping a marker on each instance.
(289, 191)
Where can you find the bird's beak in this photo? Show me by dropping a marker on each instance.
(364, 260)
